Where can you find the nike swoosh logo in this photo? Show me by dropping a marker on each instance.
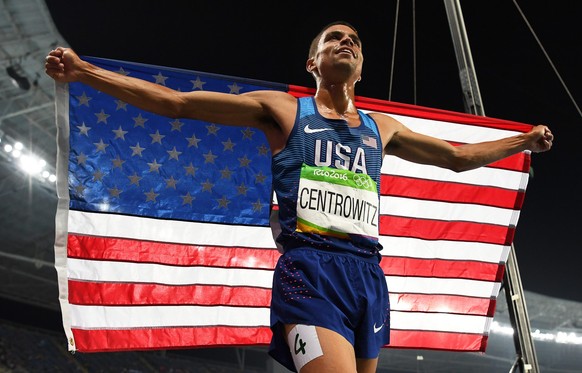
(315, 130)
(376, 330)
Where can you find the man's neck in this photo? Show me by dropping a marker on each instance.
(338, 98)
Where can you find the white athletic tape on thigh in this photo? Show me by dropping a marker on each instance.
(304, 345)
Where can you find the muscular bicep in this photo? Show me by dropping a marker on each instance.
(402, 142)
(272, 112)
(237, 110)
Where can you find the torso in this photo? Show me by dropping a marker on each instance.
(349, 149)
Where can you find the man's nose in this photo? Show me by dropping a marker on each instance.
(347, 40)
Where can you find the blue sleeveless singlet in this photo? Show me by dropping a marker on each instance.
(327, 183)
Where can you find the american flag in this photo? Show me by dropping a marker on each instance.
(163, 237)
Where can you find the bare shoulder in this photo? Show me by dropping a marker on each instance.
(270, 97)
(281, 106)
(385, 120)
(388, 126)
(277, 104)
(276, 115)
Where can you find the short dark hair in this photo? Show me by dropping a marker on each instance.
(315, 41)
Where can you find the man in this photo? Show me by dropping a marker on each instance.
(330, 309)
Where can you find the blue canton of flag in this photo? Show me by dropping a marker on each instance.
(129, 161)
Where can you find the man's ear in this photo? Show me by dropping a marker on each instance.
(310, 65)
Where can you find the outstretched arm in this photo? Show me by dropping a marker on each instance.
(419, 148)
(64, 65)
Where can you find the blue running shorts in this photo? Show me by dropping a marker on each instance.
(342, 292)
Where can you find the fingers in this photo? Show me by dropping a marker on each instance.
(53, 60)
(543, 138)
(544, 132)
(58, 51)
(50, 59)
(549, 141)
(548, 135)
(53, 65)
(53, 57)
(547, 138)
(56, 54)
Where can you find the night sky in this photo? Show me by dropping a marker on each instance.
(269, 41)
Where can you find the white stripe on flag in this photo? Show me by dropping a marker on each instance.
(121, 317)
(456, 132)
(442, 322)
(106, 271)
(160, 230)
(440, 249)
(447, 211)
(486, 176)
(450, 286)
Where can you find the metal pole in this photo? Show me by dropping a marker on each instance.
(518, 316)
(526, 354)
(469, 85)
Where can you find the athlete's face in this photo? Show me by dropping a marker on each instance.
(338, 55)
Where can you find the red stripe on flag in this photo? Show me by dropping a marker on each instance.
(168, 338)
(391, 107)
(298, 91)
(450, 192)
(101, 248)
(445, 230)
(516, 162)
(409, 110)
(442, 303)
(115, 294)
(110, 294)
(437, 340)
(415, 267)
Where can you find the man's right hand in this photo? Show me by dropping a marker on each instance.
(63, 65)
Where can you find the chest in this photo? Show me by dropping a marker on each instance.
(326, 143)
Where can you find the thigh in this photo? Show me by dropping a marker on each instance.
(373, 331)
(338, 353)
